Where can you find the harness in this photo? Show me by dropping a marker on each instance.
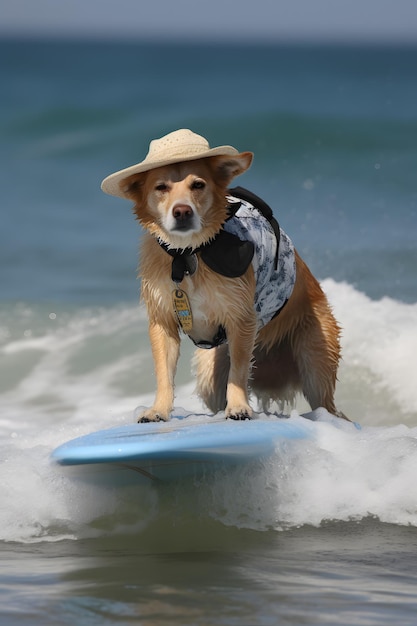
(249, 235)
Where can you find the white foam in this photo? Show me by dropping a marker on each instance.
(340, 474)
(379, 347)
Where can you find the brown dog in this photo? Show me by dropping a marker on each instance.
(181, 199)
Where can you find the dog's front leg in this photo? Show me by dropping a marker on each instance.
(165, 350)
(241, 339)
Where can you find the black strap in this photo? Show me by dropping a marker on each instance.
(263, 207)
(252, 198)
(183, 265)
(184, 261)
(219, 338)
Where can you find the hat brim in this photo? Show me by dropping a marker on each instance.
(111, 184)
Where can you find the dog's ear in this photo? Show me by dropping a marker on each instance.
(132, 186)
(227, 167)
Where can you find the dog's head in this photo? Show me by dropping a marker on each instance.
(184, 203)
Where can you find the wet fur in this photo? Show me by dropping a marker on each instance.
(298, 351)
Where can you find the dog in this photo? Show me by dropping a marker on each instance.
(199, 278)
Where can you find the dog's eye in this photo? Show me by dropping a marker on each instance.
(161, 187)
(198, 184)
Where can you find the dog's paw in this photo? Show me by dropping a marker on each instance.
(239, 413)
(146, 420)
(239, 416)
(150, 415)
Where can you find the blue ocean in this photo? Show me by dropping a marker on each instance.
(323, 534)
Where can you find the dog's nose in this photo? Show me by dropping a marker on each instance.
(182, 212)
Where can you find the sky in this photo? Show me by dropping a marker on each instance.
(237, 20)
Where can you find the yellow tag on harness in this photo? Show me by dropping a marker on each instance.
(183, 309)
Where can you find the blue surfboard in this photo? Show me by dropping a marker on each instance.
(185, 445)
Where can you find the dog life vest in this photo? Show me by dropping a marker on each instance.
(273, 260)
(250, 235)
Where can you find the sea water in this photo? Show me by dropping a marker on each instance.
(324, 532)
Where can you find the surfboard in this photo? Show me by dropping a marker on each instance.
(193, 445)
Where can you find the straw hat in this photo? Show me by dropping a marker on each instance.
(180, 145)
